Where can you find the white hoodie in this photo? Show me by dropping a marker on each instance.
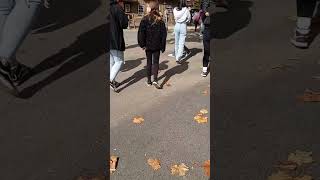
(182, 16)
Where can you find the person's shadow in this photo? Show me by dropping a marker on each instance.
(139, 75)
(178, 69)
(63, 13)
(87, 48)
(235, 18)
(193, 52)
(131, 64)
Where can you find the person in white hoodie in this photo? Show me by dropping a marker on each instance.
(181, 16)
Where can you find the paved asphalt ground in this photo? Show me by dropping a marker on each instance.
(57, 131)
(169, 132)
(258, 120)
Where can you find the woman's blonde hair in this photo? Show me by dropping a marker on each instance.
(154, 11)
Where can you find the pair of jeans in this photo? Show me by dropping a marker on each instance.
(180, 32)
(116, 61)
(305, 12)
(206, 46)
(16, 19)
(153, 63)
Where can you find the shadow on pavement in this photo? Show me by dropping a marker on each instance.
(139, 75)
(131, 64)
(87, 48)
(179, 69)
(234, 19)
(194, 51)
(63, 13)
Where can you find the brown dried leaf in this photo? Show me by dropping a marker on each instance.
(287, 165)
(305, 177)
(301, 157)
(179, 170)
(113, 163)
(310, 96)
(138, 120)
(206, 166)
(280, 175)
(154, 163)
(205, 92)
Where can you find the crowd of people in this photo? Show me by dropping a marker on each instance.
(152, 38)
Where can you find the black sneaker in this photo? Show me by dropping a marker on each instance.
(204, 74)
(5, 79)
(300, 40)
(116, 84)
(113, 87)
(17, 74)
(156, 85)
(149, 84)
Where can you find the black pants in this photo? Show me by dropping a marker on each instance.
(206, 46)
(305, 8)
(152, 63)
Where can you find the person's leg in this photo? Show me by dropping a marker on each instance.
(182, 38)
(111, 64)
(206, 50)
(16, 27)
(305, 11)
(156, 57)
(176, 37)
(5, 9)
(149, 66)
(118, 61)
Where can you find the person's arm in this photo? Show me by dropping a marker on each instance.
(123, 19)
(142, 34)
(189, 16)
(163, 37)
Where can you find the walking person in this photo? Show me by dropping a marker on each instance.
(16, 20)
(205, 5)
(302, 35)
(182, 16)
(152, 36)
(118, 22)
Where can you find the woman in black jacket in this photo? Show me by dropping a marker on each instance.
(152, 37)
(205, 5)
(118, 22)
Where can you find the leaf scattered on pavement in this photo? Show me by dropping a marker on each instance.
(287, 165)
(154, 163)
(138, 120)
(113, 163)
(204, 111)
(200, 117)
(305, 177)
(310, 96)
(206, 166)
(205, 92)
(179, 170)
(280, 175)
(301, 157)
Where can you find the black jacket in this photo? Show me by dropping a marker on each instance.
(206, 6)
(152, 35)
(118, 22)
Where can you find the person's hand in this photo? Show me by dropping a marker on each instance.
(207, 14)
(46, 3)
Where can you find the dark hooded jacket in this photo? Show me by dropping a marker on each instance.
(152, 35)
(118, 22)
(205, 6)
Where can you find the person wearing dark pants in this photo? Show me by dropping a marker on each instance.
(152, 37)
(205, 5)
(16, 19)
(302, 34)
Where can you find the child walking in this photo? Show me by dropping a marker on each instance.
(152, 37)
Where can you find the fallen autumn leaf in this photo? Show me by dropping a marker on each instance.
(306, 177)
(310, 96)
(179, 170)
(138, 120)
(113, 163)
(287, 165)
(300, 157)
(206, 166)
(154, 163)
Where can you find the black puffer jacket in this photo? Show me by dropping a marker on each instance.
(152, 35)
(118, 22)
(206, 6)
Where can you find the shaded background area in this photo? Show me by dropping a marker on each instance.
(59, 130)
(258, 120)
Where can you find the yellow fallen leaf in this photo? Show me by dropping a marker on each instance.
(206, 166)
(200, 118)
(138, 120)
(305, 177)
(300, 157)
(113, 163)
(179, 170)
(310, 96)
(287, 165)
(154, 163)
(280, 175)
(204, 111)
